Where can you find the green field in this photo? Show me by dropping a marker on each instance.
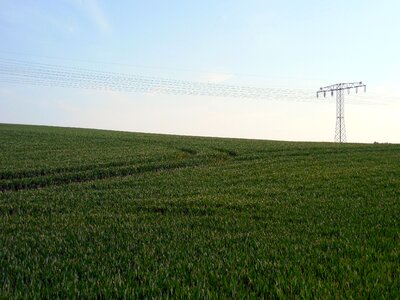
(113, 214)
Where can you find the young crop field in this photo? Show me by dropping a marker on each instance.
(103, 214)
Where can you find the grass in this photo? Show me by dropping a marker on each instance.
(89, 213)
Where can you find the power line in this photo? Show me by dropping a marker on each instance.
(27, 72)
(135, 65)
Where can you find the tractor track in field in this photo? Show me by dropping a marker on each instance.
(36, 179)
(29, 183)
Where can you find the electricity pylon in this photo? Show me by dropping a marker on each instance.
(340, 132)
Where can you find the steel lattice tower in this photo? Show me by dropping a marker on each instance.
(340, 132)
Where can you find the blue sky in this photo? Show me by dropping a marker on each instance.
(305, 44)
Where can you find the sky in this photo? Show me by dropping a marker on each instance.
(271, 43)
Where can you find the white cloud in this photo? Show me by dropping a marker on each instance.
(216, 77)
(70, 28)
(95, 14)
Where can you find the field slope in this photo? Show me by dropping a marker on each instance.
(112, 214)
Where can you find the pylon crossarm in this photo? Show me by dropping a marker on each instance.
(341, 86)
